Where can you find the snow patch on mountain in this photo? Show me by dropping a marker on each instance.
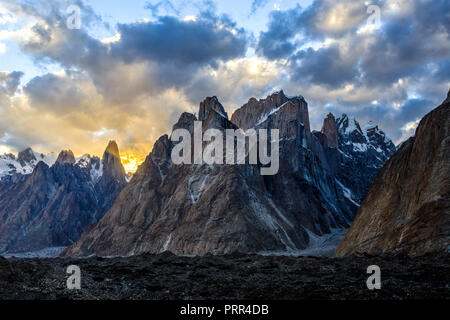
(83, 161)
(97, 172)
(347, 193)
(348, 125)
(264, 117)
(26, 160)
(24, 163)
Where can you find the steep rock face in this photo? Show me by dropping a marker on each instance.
(199, 209)
(329, 129)
(447, 100)
(364, 150)
(112, 165)
(255, 112)
(211, 104)
(52, 205)
(26, 156)
(112, 180)
(407, 207)
(66, 156)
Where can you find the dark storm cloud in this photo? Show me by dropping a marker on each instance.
(372, 74)
(406, 44)
(183, 42)
(168, 39)
(172, 48)
(58, 93)
(276, 42)
(149, 57)
(402, 47)
(130, 88)
(325, 66)
(289, 29)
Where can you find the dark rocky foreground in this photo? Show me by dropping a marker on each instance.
(237, 276)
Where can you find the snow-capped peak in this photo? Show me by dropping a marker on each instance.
(24, 163)
(93, 164)
(346, 125)
(276, 93)
(354, 138)
(83, 161)
(372, 133)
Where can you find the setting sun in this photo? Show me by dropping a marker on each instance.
(131, 161)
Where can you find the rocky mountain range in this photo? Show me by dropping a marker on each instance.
(364, 151)
(199, 209)
(51, 205)
(407, 207)
(24, 163)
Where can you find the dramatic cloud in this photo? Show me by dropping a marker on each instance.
(326, 66)
(131, 88)
(342, 61)
(235, 81)
(277, 42)
(151, 56)
(324, 19)
(201, 42)
(134, 83)
(65, 111)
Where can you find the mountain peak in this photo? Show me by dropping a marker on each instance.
(66, 156)
(255, 112)
(112, 149)
(112, 165)
(26, 156)
(278, 93)
(329, 129)
(186, 121)
(348, 124)
(406, 207)
(26, 150)
(282, 96)
(161, 148)
(448, 97)
(208, 105)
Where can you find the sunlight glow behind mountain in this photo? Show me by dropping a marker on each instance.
(131, 161)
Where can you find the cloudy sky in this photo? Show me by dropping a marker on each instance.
(133, 66)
